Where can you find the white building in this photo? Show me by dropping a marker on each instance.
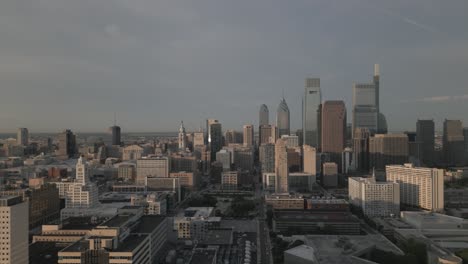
(14, 228)
(82, 193)
(419, 187)
(376, 199)
(152, 167)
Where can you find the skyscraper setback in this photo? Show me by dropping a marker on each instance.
(283, 118)
(334, 129)
(310, 121)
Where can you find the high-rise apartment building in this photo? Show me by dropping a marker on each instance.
(388, 149)
(152, 167)
(248, 135)
(334, 129)
(310, 121)
(425, 135)
(14, 238)
(376, 199)
(361, 149)
(267, 157)
(264, 134)
(67, 144)
(264, 116)
(281, 166)
(309, 160)
(215, 137)
(454, 143)
(419, 187)
(283, 118)
(182, 139)
(22, 138)
(274, 134)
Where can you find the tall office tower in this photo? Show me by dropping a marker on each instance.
(425, 135)
(274, 134)
(376, 199)
(267, 157)
(215, 137)
(264, 134)
(365, 113)
(182, 136)
(361, 149)
(377, 86)
(300, 135)
(248, 135)
(281, 166)
(67, 144)
(453, 142)
(264, 118)
(419, 187)
(14, 235)
(115, 130)
(152, 167)
(388, 149)
(283, 118)
(330, 174)
(198, 138)
(22, 138)
(309, 162)
(334, 129)
(310, 106)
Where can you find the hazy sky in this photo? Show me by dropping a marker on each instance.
(72, 63)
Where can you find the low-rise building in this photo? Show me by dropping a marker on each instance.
(285, 201)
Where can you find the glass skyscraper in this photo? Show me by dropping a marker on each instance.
(310, 111)
(282, 118)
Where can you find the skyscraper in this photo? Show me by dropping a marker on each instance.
(215, 137)
(425, 136)
(366, 105)
(115, 130)
(182, 137)
(267, 157)
(388, 149)
(264, 134)
(311, 102)
(14, 234)
(281, 166)
(248, 135)
(22, 137)
(453, 142)
(264, 116)
(283, 118)
(309, 160)
(67, 144)
(361, 149)
(334, 129)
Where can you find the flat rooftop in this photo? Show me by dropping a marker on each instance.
(131, 242)
(304, 252)
(205, 256)
(148, 223)
(344, 249)
(198, 211)
(117, 221)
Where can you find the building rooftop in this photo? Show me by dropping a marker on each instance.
(117, 221)
(198, 211)
(148, 223)
(344, 249)
(43, 253)
(304, 252)
(218, 237)
(203, 256)
(131, 242)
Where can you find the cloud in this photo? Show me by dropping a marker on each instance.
(439, 99)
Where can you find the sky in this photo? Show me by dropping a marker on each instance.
(72, 64)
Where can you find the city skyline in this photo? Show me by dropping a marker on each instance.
(157, 63)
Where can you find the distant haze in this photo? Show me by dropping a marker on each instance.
(72, 64)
